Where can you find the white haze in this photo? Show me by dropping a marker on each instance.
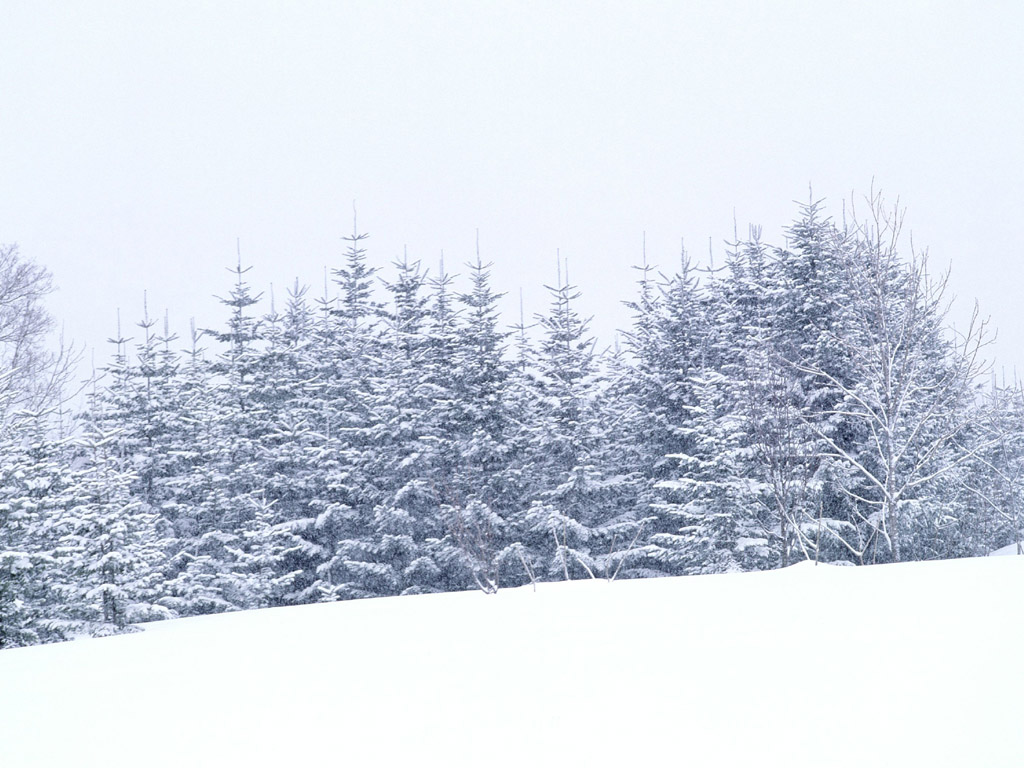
(138, 140)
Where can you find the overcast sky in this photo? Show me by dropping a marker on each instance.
(138, 140)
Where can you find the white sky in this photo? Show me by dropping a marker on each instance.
(139, 139)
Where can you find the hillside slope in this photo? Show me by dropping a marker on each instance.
(915, 664)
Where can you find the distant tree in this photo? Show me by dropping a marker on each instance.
(994, 477)
(32, 374)
(34, 378)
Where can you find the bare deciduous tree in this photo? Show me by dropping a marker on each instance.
(779, 444)
(913, 377)
(33, 374)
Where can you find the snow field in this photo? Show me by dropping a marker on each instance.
(914, 664)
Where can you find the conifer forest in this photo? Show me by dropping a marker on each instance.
(810, 399)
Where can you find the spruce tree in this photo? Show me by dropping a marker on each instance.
(572, 527)
(667, 345)
(34, 489)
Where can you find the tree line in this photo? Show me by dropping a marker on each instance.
(806, 401)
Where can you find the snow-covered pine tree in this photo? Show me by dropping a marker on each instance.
(909, 389)
(392, 555)
(286, 392)
(34, 483)
(766, 398)
(242, 418)
(482, 480)
(666, 342)
(572, 527)
(263, 573)
(111, 540)
(522, 557)
(625, 468)
(194, 573)
(228, 472)
(808, 293)
(993, 479)
(349, 347)
(718, 495)
(439, 464)
(111, 548)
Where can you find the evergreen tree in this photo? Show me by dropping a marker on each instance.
(572, 527)
(481, 472)
(909, 389)
(719, 493)
(286, 390)
(110, 546)
(193, 573)
(392, 554)
(993, 480)
(807, 401)
(227, 470)
(667, 343)
(349, 372)
(34, 487)
(809, 292)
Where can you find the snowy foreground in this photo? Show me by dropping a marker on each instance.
(916, 664)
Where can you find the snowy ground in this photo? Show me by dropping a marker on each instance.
(1009, 549)
(916, 664)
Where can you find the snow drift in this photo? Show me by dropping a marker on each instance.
(915, 664)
